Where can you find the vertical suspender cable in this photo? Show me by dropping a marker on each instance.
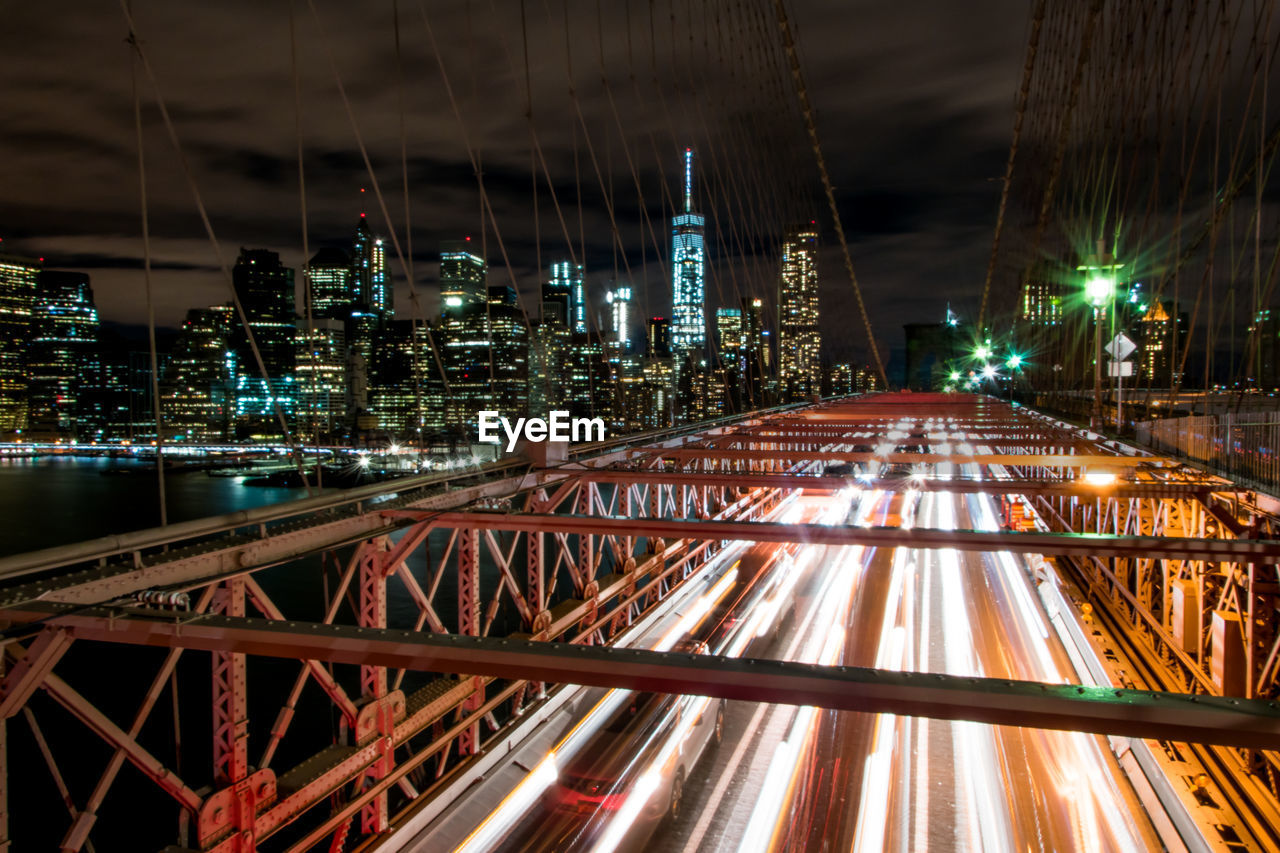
(146, 279)
(172, 132)
(811, 126)
(415, 317)
(1033, 44)
(307, 295)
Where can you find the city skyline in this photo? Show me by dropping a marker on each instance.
(323, 356)
(250, 179)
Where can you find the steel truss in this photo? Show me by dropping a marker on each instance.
(1187, 562)
(580, 589)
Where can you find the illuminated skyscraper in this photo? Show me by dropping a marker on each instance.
(485, 351)
(370, 309)
(730, 369)
(588, 391)
(1041, 301)
(197, 379)
(688, 270)
(866, 380)
(757, 353)
(799, 369)
(264, 287)
(17, 295)
(321, 371)
(63, 354)
(839, 380)
(658, 337)
(1161, 338)
(548, 365)
(619, 300)
(462, 277)
(567, 282)
(405, 391)
(654, 404)
(369, 269)
(729, 335)
(556, 299)
(333, 283)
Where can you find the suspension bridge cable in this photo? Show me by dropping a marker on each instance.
(811, 126)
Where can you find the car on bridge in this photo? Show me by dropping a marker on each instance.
(612, 767)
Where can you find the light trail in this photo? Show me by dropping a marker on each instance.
(526, 793)
(806, 555)
(762, 616)
(836, 597)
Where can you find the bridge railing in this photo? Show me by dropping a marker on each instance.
(1243, 446)
(348, 500)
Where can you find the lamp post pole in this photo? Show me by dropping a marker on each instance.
(1099, 289)
(1095, 419)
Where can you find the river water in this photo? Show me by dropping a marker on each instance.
(56, 500)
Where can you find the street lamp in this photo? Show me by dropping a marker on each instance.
(1100, 290)
(1014, 363)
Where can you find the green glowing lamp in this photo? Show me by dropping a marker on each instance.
(1099, 289)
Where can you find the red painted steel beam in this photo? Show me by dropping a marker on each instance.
(1129, 713)
(1043, 460)
(962, 485)
(1067, 544)
(851, 437)
(148, 764)
(32, 665)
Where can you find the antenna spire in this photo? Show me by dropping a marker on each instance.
(688, 180)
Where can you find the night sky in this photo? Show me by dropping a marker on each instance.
(914, 104)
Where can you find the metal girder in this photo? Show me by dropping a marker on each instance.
(137, 755)
(1068, 544)
(1040, 460)
(230, 701)
(1128, 713)
(957, 486)
(31, 667)
(201, 564)
(857, 437)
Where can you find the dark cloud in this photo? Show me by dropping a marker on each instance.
(913, 102)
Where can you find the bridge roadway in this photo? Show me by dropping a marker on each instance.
(789, 778)
(909, 561)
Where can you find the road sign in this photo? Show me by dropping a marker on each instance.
(1120, 348)
(1120, 368)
